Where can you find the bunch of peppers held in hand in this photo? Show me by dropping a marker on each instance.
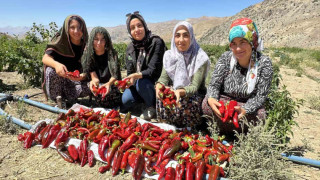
(229, 113)
(167, 97)
(123, 141)
(102, 90)
(75, 74)
(122, 84)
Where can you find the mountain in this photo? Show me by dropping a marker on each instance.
(293, 23)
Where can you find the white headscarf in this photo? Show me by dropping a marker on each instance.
(181, 66)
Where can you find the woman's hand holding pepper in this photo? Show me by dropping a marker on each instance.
(108, 88)
(133, 77)
(61, 69)
(179, 93)
(81, 77)
(241, 111)
(214, 104)
(158, 86)
(94, 82)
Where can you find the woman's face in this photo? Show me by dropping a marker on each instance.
(137, 29)
(241, 48)
(182, 38)
(99, 43)
(75, 32)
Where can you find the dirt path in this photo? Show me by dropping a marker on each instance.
(37, 163)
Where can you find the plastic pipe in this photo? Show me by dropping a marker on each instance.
(302, 160)
(40, 105)
(10, 118)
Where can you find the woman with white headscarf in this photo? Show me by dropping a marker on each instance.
(242, 74)
(185, 67)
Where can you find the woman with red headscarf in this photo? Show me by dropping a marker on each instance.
(242, 74)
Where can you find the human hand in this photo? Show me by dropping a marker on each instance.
(241, 111)
(133, 77)
(179, 93)
(80, 78)
(61, 70)
(108, 88)
(94, 83)
(159, 87)
(214, 104)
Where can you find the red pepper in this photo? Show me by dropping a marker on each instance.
(63, 152)
(222, 157)
(129, 141)
(232, 104)
(115, 144)
(91, 160)
(173, 148)
(29, 137)
(104, 143)
(117, 162)
(124, 160)
(214, 172)
(197, 157)
(170, 173)
(43, 136)
(200, 165)
(83, 153)
(39, 128)
(222, 174)
(222, 108)
(148, 165)
(131, 159)
(52, 134)
(93, 134)
(180, 171)
(61, 137)
(163, 148)
(73, 152)
(190, 170)
(235, 119)
(138, 167)
(162, 169)
(162, 87)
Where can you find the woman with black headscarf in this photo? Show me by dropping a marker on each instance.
(63, 55)
(144, 63)
(100, 63)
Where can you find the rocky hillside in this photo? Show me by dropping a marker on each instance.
(293, 23)
(164, 29)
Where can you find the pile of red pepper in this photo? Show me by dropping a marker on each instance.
(229, 113)
(75, 74)
(167, 97)
(124, 141)
(122, 84)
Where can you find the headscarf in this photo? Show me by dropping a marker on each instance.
(88, 55)
(61, 42)
(146, 39)
(181, 66)
(247, 29)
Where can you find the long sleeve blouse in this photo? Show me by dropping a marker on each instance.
(233, 83)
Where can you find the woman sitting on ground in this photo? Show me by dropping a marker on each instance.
(144, 63)
(185, 68)
(100, 63)
(242, 74)
(63, 55)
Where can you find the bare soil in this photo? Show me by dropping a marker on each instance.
(38, 163)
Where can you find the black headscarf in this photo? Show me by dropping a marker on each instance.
(148, 35)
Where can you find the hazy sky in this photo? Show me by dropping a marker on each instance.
(112, 12)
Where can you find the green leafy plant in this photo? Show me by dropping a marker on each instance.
(281, 108)
(121, 49)
(258, 156)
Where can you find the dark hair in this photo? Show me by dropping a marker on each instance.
(77, 19)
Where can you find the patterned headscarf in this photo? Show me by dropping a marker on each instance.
(181, 66)
(61, 42)
(247, 29)
(88, 59)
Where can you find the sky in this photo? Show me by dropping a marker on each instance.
(109, 13)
